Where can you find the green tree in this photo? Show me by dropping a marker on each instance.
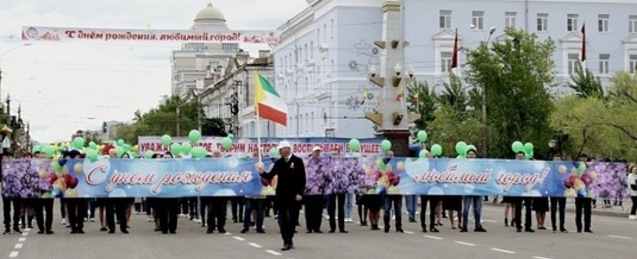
(515, 74)
(421, 99)
(623, 105)
(585, 118)
(585, 83)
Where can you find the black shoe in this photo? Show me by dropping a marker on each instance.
(105, 229)
(588, 231)
(17, 230)
(332, 231)
(41, 232)
(412, 221)
(164, 232)
(424, 230)
(209, 231)
(506, 222)
(318, 232)
(400, 230)
(433, 230)
(125, 231)
(158, 229)
(173, 232)
(286, 247)
(261, 231)
(343, 231)
(479, 229)
(245, 230)
(222, 231)
(49, 232)
(363, 224)
(463, 229)
(386, 230)
(309, 232)
(518, 230)
(111, 231)
(73, 231)
(529, 230)
(563, 230)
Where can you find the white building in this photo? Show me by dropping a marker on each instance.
(322, 65)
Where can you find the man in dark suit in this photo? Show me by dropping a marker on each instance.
(583, 206)
(289, 190)
(519, 203)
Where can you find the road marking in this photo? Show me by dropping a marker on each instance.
(18, 246)
(14, 254)
(539, 257)
(502, 251)
(490, 221)
(22, 239)
(620, 237)
(433, 237)
(273, 252)
(239, 238)
(228, 234)
(255, 245)
(24, 234)
(465, 243)
(409, 232)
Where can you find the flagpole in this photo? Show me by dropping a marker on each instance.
(258, 124)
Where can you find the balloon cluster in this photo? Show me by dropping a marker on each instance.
(386, 179)
(462, 149)
(527, 148)
(578, 181)
(63, 184)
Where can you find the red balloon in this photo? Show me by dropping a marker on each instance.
(395, 181)
(52, 178)
(72, 183)
(67, 179)
(265, 182)
(377, 175)
(568, 183)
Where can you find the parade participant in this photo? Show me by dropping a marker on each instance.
(9, 197)
(167, 209)
(314, 202)
(526, 202)
(583, 206)
(27, 211)
(255, 208)
(43, 206)
(153, 206)
(632, 186)
(116, 207)
(76, 207)
(217, 207)
(395, 200)
(475, 201)
(337, 192)
(555, 202)
(289, 191)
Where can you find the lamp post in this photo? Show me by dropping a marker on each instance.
(484, 92)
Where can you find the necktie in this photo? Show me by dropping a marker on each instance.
(287, 160)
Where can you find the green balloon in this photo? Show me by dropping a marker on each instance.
(120, 151)
(354, 145)
(471, 147)
(92, 145)
(385, 145)
(422, 136)
(461, 148)
(166, 140)
(120, 142)
(149, 154)
(37, 148)
(357, 155)
(91, 155)
(436, 150)
(517, 147)
(581, 168)
(78, 142)
(461, 157)
(198, 152)
(528, 147)
(127, 147)
(194, 136)
(528, 155)
(226, 143)
(423, 153)
(230, 135)
(48, 150)
(186, 148)
(274, 152)
(57, 167)
(175, 148)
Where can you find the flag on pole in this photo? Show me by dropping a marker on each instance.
(401, 92)
(583, 56)
(268, 103)
(454, 56)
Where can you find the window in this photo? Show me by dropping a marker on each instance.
(542, 22)
(632, 63)
(445, 19)
(602, 22)
(478, 20)
(510, 19)
(318, 35)
(311, 49)
(632, 24)
(573, 59)
(571, 22)
(332, 29)
(324, 32)
(230, 46)
(445, 62)
(604, 64)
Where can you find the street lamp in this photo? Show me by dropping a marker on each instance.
(484, 93)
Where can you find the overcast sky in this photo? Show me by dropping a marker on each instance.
(65, 86)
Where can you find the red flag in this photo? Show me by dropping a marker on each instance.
(454, 57)
(583, 42)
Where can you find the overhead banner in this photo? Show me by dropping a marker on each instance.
(246, 147)
(238, 177)
(38, 33)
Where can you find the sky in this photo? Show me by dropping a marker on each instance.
(66, 86)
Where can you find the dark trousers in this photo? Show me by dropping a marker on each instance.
(314, 212)
(518, 201)
(63, 207)
(192, 207)
(288, 209)
(555, 202)
(7, 212)
(397, 202)
(259, 206)
(116, 206)
(334, 200)
(237, 204)
(633, 210)
(433, 202)
(44, 206)
(585, 205)
(217, 213)
(77, 211)
(183, 204)
(204, 204)
(167, 210)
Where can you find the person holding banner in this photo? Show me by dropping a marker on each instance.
(77, 207)
(558, 201)
(396, 200)
(314, 198)
(9, 197)
(217, 208)
(43, 206)
(337, 190)
(289, 190)
(167, 210)
(583, 204)
(472, 200)
(519, 201)
(632, 187)
(116, 210)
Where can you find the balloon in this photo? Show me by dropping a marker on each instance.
(422, 136)
(226, 143)
(194, 136)
(436, 150)
(230, 135)
(48, 151)
(423, 153)
(175, 148)
(92, 145)
(357, 155)
(354, 144)
(471, 147)
(37, 148)
(198, 152)
(186, 148)
(460, 157)
(136, 148)
(127, 147)
(166, 140)
(274, 152)
(78, 142)
(528, 155)
(461, 148)
(581, 168)
(92, 155)
(120, 151)
(385, 145)
(149, 154)
(528, 147)
(517, 147)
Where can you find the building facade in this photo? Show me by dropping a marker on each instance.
(322, 64)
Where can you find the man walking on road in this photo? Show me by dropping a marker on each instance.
(289, 191)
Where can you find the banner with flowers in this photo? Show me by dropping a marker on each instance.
(233, 176)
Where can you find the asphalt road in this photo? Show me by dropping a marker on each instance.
(613, 238)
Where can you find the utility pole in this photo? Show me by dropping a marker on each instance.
(178, 122)
(392, 117)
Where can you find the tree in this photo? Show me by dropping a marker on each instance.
(585, 83)
(515, 74)
(213, 127)
(421, 100)
(585, 119)
(451, 126)
(623, 104)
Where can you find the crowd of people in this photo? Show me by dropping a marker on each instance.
(290, 198)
